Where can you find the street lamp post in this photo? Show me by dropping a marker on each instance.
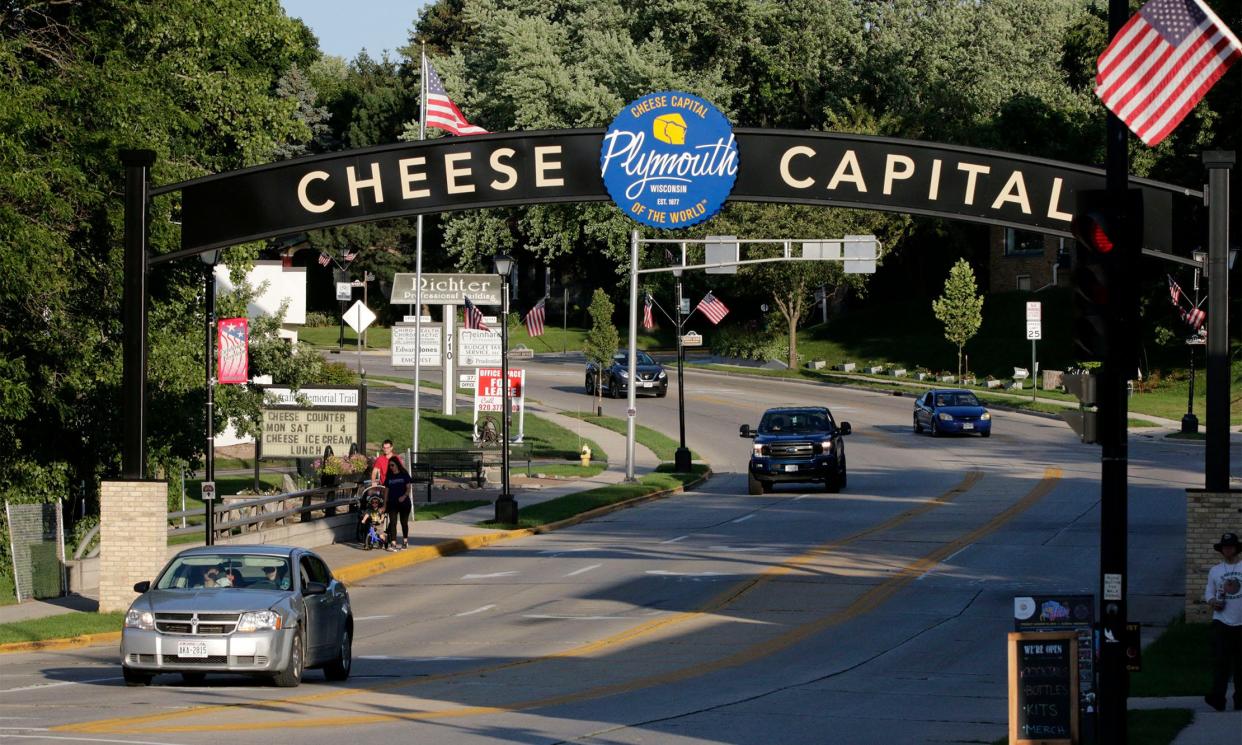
(506, 505)
(209, 259)
(1190, 422)
(681, 457)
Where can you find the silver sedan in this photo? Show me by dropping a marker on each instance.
(270, 611)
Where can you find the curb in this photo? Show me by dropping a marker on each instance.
(85, 640)
(355, 573)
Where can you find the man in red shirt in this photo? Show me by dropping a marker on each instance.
(379, 469)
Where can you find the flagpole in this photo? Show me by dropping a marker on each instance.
(418, 265)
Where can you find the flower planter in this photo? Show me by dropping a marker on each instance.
(994, 384)
(875, 370)
(899, 373)
(948, 378)
(846, 367)
(816, 365)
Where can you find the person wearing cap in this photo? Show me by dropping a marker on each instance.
(1224, 594)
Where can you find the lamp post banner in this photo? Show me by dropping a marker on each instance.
(516, 168)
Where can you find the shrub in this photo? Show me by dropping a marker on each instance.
(748, 344)
(316, 318)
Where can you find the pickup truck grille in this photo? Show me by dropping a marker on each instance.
(792, 449)
(202, 624)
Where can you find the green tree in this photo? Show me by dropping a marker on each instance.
(959, 308)
(602, 339)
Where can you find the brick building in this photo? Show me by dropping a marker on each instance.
(1021, 260)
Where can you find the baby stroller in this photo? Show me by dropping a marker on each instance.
(373, 522)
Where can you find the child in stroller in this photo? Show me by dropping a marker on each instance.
(373, 523)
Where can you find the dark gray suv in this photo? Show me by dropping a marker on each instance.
(615, 379)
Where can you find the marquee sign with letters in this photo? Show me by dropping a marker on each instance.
(506, 169)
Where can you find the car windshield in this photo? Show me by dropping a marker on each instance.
(623, 358)
(226, 571)
(788, 422)
(956, 399)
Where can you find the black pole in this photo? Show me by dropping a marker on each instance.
(506, 505)
(209, 512)
(1190, 422)
(1113, 436)
(681, 458)
(137, 165)
(1216, 459)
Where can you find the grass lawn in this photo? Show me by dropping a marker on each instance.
(58, 627)
(554, 338)
(575, 504)
(1176, 664)
(377, 337)
(567, 470)
(437, 510)
(661, 444)
(436, 430)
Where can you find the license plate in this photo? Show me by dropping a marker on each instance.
(648, 384)
(791, 468)
(967, 425)
(191, 649)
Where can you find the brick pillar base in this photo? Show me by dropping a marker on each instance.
(133, 538)
(1208, 514)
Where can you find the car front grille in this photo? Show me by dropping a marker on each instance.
(215, 659)
(792, 449)
(251, 660)
(201, 624)
(141, 658)
(647, 376)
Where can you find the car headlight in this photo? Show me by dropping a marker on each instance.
(623, 373)
(986, 416)
(264, 620)
(757, 449)
(826, 446)
(663, 375)
(140, 619)
(945, 417)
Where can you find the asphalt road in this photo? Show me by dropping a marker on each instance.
(877, 615)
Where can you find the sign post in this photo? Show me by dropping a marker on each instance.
(1034, 332)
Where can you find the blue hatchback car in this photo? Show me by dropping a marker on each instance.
(951, 411)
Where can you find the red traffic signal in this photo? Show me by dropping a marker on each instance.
(1109, 235)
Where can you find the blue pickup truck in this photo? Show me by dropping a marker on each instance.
(796, 444)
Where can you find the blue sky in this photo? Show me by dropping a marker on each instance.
(345, 27)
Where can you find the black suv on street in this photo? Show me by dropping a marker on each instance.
(796, 444)
(615, 378)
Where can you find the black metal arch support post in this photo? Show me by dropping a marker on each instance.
(1216, 465)
(134, 345)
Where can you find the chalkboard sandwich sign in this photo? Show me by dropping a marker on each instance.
(1043, 688)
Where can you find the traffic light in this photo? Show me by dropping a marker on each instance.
(1084, 421)
(1109, 237)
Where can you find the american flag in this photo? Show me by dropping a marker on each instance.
(648, 321)
(233, 354)
(350, 255)
(534, 320)
(712, 308)
(442, 113)
(324, 259)
(1175, 291)
(474, 317)
(1161, 63)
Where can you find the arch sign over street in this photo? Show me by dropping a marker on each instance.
(584, 165)
(669, 160)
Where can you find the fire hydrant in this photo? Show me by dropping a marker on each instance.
(586, 455)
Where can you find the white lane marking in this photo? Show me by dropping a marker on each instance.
(801, 496)
(583, 570)
(941, 563)
(577, 618)
(559, 551)
(80, 739)
(674, 540)
(666, 573)
(735, 548)
(743, 518)
(55, 685)
(488, 576)
(370, 618)
(476, 610)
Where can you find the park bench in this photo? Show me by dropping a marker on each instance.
(449, 461)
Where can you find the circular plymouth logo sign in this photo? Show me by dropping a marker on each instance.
(669, 160)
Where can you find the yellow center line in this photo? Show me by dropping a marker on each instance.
(866, 602)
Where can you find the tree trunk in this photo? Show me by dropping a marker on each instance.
(959, 363)
(793, 347)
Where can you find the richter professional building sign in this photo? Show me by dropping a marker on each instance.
(447, 289)
(669, 160)
(293, 429)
